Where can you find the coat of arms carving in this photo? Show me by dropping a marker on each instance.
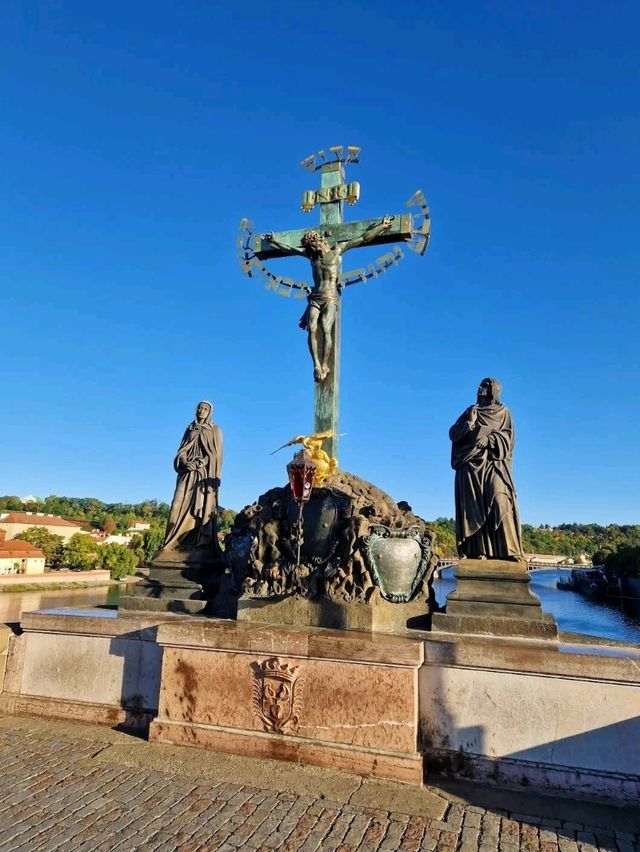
(277, 694)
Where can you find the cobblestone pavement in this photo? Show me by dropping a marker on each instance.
(72, 787)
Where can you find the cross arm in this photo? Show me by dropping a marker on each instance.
(370, 235)
(287, 243)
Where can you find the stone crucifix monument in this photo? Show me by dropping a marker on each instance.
(325, 247)
(366, 561)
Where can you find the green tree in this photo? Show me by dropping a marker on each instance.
(11, 503)
(600, 556)
(624, 562)
(81, 553)
(445, 530)
(109, 525)
(146, 544)
(118, 559)
(226, 518)
(50, 544)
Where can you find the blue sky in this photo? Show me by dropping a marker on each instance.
(136, 136)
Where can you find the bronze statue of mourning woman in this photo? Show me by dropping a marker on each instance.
(185, 571)
(191, 529)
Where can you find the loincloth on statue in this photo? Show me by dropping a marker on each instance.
(319, 301)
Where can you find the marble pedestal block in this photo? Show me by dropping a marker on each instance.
(344, 700)
(493, 597)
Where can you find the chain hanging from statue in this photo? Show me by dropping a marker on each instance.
(307, 472)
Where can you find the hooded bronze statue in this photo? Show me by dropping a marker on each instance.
(198, 463)
(487, 521)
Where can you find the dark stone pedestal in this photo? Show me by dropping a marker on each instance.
(381, 616)
(178, 581)
(493, 598)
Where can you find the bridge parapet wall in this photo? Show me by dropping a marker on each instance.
(542, 715)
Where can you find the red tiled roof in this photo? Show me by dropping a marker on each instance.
(16, 549)
(32, 520)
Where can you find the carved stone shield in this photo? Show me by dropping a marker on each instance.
(277, 694)
(397, 560)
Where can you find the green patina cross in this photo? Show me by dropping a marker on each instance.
(324, 249)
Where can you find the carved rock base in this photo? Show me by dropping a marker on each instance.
(347, 701)
(493, 598)
(381, 616)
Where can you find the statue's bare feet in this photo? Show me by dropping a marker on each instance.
(317, 374)
(325, 371)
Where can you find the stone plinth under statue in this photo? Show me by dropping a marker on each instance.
(180, 582)
(493, 597)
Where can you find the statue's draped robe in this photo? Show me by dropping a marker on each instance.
(192, 518)
(487, 522)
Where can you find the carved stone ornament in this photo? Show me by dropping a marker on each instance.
(322, 517)
(277, 694)
(397, 560)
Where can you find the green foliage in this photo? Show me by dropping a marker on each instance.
(624, 562)
(574, 539)
(118, 559)
(225, 521)
(50, 544)
(600, 556)
(566, 540)
(11, 503)
(445, 530)
(109, 525)
(81, 553)
(146, 544)
(90, 509)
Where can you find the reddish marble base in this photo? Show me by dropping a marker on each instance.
(338, 699)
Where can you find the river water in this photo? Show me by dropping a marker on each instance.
(573, 612)
(13, 604)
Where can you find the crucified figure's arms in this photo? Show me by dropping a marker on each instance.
(290, 250)
(283, 246)
(368, 235)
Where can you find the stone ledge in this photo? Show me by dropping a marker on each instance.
(543, 627)
(359, 761)
(138, 625)
(527, 775)
(162, 605)
(111, 715)
(620, 664)
(317, 642)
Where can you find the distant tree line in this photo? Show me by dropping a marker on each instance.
(572, 540)
(112, 517)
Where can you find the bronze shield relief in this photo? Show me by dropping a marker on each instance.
(397, 560)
